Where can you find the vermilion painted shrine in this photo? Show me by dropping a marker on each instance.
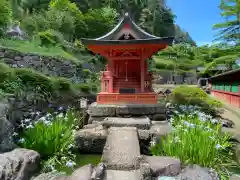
(127, 48)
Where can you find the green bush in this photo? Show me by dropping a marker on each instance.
(50, 38)
(195, 96)
(32, 78)
(197, 139)
(51, 136)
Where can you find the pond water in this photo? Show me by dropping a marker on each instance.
(81, 160)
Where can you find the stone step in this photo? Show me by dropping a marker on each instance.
(138, 122)
(122, 150)
(122, 175)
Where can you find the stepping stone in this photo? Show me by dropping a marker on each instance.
(122, 150)
(139, 122)
(91, 140)
(122, 175)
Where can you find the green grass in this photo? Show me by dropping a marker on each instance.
(35, 48)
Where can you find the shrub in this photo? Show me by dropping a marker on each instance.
(197, 139)
(195, 96)
(51, 136)
(50, 37)
(32, 78)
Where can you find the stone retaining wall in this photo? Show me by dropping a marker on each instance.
(50, 66)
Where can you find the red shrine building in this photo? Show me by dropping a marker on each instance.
(127, 48)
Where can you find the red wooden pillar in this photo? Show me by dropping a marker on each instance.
(142, 74)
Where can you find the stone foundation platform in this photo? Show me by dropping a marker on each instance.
(98, 112)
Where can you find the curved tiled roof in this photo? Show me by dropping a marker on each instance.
(142, 36)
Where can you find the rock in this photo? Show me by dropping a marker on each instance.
(227, 123)
(164, 166)
(144, 134)
(122, 150)
(237, 152)
(234, 177)
(145, 171)
(6, 128)
(19, 164)
(161, 128)
(91, 140)
(51, 176)
(196, 172)
(99, 172)
(84, 173)
(122, 175)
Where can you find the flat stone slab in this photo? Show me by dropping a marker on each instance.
(140, 123)
(122, 175)
(91, 140)
(99, 110)
(122, 150)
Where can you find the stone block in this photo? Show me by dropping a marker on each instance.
(139, 109)
(122, 150)
(140, 123)
(91, 140)
(96, 110)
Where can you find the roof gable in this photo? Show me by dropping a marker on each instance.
(126, 26)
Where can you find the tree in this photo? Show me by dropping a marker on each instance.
(157, 19)
(229, 30)
(5, 15)
(182, 36)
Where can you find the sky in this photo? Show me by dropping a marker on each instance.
(197, 18)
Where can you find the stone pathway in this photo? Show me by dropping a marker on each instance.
(122, 150)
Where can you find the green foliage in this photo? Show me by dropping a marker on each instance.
(195, 96)
(51, 38)
(197, 139)
(100, 21)
(53, 137)
(230, 30)
(5, 15)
